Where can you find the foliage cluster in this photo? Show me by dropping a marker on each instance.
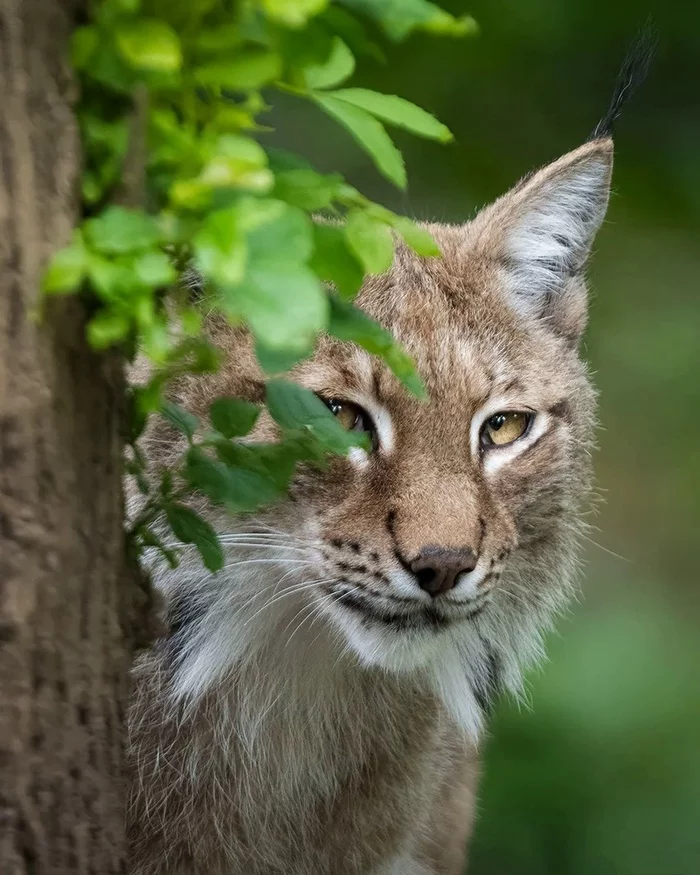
(176, 175)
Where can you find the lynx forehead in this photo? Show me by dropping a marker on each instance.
(371, 617)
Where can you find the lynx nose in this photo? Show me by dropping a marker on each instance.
(437, 568)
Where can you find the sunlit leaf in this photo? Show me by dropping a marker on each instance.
(281, 234)
(244, 70)
(334, 262)
(107, 328)
(119, 230)
(419, 239)
(396, 111)
(339, 67)
(224, 37)
(280, 297)
(370, 240)
(221, 248)
(275, 360)
(399, 18)
(111, 280)
(306, 188)
(293, 13)
(84, 43)
(67, 268)
(149, 44)
(369, 134)
(155, 269)
(284, 304)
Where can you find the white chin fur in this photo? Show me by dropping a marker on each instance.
(379, 646)
(431, 657)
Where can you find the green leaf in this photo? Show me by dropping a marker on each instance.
(353, 33)
(419, 239)
(146, 537)
(255, 212)
(107, 66)
(222, 37)
(306, 189)
(245, 70)
(195, 354)
(66, 269)
(154, 269)
(349, 323)
(118, 230)
(279, 297)
(233, 417)
(293, 13)
(277, 460)
(136, 416)
(281, 234)
(113, 282)
(396, 111)
(281, 160)
(231, 161)
(148, 398)
(182, 419)
(84, 43)
(309, 47)
(238, 488)
(283, 303)
(277, 361)
(221, 248)
(294, 407)
(149, 44)
(339, 67)
(399, 18)
(369, 134)
(190, 528)
(206, 474)
(370, 240)
(333, 261)
(107, 328)
(154, 335)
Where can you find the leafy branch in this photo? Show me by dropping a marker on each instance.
(176, 175)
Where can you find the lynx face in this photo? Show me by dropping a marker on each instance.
(465, 507)
(446, 548)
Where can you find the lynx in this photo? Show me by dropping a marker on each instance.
(315, 707)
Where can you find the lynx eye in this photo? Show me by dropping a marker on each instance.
(351, 416)
(504, 428)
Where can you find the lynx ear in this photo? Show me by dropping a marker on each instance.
(541, 233)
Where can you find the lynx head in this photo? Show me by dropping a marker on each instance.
(445, 549)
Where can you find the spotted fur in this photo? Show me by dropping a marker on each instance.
(312, 709)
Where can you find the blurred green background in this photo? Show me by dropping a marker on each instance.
(602, 776)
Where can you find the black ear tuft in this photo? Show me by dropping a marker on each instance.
(633, 72)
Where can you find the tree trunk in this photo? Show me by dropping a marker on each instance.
(67, 592)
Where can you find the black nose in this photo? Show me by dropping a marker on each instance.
(437, 568)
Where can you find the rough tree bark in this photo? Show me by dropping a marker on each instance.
(68, 596)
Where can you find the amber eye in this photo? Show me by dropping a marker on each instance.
(351, 416)
(504, 428)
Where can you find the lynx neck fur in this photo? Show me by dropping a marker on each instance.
(315, 707)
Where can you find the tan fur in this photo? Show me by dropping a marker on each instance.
(275, 732)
